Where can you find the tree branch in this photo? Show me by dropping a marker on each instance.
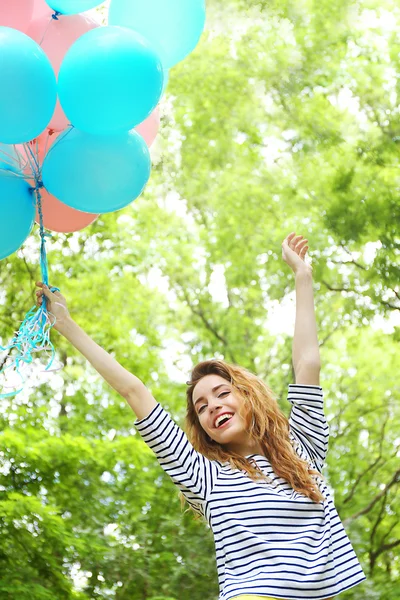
(395, 479)
(333, 289)
(199, 312)
(370, 467)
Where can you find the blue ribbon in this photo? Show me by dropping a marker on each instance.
(34, 333)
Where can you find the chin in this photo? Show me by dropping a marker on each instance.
(229, 437)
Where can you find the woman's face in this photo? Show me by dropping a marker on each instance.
(213, 397)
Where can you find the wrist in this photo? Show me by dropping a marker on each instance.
(63, 325)
(304, 271)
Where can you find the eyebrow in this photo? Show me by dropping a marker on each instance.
(213, 390)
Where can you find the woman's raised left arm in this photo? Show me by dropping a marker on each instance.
(305, 350)
(306, 358)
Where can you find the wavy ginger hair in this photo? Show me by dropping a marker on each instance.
(266, 424)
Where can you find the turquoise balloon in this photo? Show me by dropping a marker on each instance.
(9, 160)
(28, 89)
(173, 27)
(17, 212)
(72, 7)
(110, 80)
(97, 174)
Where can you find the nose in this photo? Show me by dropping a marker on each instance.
(215, 407)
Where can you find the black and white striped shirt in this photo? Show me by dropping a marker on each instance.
(270, 540)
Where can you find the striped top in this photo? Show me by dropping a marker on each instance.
(270, 540)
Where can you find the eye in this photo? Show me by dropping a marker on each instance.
(204, 406)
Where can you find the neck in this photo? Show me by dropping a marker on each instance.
(246, 448)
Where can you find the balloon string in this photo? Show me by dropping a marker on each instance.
(34, 161)
(34, 333)
(22, 161)
(49, 133)
(61, 136)
(43, 235)
(7, 158)
(14, 162)
(54, 17)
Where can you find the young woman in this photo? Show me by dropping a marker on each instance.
(253, 474)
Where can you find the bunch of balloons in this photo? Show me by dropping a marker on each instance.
(78, 112)
(85, 137)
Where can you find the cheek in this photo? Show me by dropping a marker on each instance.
(202, 422)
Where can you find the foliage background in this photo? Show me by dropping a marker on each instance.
(285, 118)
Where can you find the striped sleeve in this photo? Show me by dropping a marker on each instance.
(189, 470)
(307, 422)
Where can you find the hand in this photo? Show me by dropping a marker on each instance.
(294, 249)
(56, 304)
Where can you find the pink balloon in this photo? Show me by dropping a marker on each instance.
(148, 129)
(56, 37)
(56, 216)
(61, 218)
(58, 121)
(40, 9)
(33, 153)
(16, 13)
(38, 147)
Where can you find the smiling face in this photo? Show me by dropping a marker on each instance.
(213, 397)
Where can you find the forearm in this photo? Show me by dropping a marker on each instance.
(305, 340)
(117, 376)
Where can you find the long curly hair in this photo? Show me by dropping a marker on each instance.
(266, 424)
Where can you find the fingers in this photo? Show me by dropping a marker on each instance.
(301, 245)
(39, 297)
(47, 292)
(293, 239)
(303, 251)
(296, 243)
(44, 290)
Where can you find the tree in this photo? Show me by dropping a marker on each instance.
(283, 119)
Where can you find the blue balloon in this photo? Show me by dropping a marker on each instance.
(9, 159)
(173, 27)
(97, 174)
(28, 88)
(72, 7)
(110, 80)
(17, 210)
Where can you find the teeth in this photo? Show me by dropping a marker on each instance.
(222, 417)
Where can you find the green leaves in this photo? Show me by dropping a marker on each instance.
(284, 119)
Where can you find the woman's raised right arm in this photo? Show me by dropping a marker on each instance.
(127, 385)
